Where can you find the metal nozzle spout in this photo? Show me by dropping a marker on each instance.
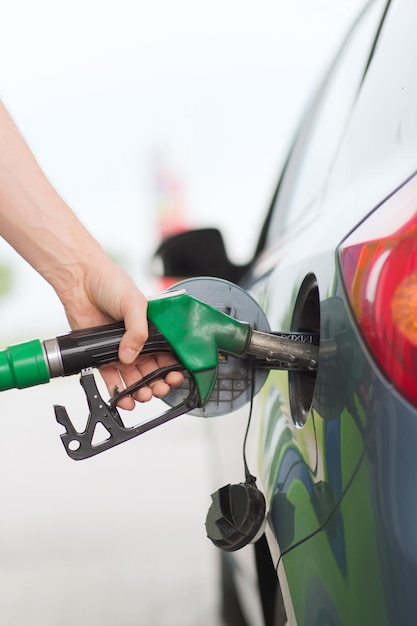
(292, 354)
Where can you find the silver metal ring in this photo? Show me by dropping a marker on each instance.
(53, 356)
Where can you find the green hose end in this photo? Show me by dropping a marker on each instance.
(23, 365)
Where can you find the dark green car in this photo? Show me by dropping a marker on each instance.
(335, 450)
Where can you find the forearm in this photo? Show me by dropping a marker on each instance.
(33, 217)
(42, 228)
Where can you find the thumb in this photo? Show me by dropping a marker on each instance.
(136, 324)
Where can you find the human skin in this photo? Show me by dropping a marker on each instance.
(44, 230)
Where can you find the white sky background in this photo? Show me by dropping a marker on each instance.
(215, 88)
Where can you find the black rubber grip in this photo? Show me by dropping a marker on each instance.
(93, 347)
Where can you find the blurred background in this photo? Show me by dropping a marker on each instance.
(146, 116)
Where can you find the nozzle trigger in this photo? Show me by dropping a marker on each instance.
(80, 445)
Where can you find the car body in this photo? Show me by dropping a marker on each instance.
(335, 451)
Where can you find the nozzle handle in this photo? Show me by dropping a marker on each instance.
(195, 331)
(89, 347)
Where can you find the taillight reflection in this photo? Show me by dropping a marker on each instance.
(379, 269)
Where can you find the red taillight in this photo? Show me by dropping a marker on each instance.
(379, 269)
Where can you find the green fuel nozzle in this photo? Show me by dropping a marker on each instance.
(198, 334)
(193, 330)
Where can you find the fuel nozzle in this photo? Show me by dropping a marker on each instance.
(218, 334)
(285, 350)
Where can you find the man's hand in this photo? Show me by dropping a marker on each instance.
(107, 294)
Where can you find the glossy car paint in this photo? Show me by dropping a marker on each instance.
(336, 453)
(340, 487)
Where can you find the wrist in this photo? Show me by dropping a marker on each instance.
(70, 275)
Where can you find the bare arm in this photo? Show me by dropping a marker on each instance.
(43, 229)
